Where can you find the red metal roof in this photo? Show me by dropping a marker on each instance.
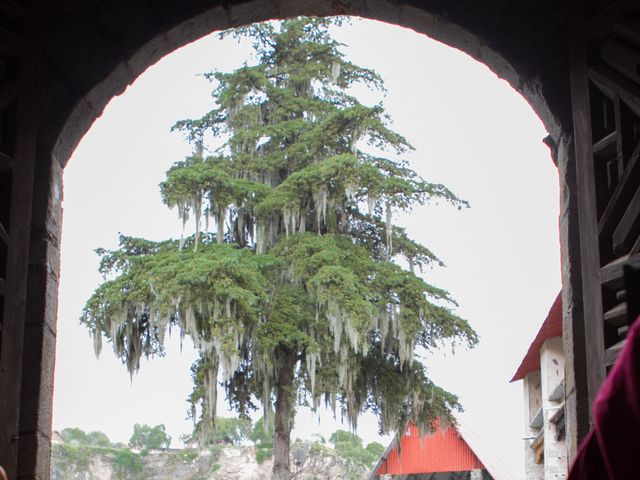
(442, 451)
(551, 327)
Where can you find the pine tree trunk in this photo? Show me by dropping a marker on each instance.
(284, 414)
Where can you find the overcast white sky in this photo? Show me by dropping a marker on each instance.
(471, 131)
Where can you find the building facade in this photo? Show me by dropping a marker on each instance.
(449, 453)
(542, 374)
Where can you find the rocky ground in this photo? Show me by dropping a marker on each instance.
(310, 461)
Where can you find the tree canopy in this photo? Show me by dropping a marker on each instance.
(77, 436)
(298, 294)
(150, 438)
(230, 430)
(348, 445)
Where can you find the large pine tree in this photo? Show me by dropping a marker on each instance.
(298, 296)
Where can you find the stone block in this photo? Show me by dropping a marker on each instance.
(34, 457)
(36, 398)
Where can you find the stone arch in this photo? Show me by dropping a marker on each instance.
(94, 49)
(119, 41)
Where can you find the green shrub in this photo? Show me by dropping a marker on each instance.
(316, 449)
(260, 434)
(74, 436)
(215, 451)
(98, 439)
(77, 436)
(128, 465)
(349, 446)
(264, 451)
(188, 455)
(70, 456)
(151, 438)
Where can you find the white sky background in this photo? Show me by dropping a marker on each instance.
(471, 131)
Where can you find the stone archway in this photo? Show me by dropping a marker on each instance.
(117, 44)
(92, 50)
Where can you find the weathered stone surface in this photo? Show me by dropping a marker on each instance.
(34, 455)
(573, 329)
(226, 462)
(113, 41)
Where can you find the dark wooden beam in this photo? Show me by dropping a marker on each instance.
(605, 143)
(636, 247)
(6, 162)
(621, 58)
(9, 43)
(599, 26)
(620, 128)
(617, 316)
(608, 79)
(612, 353)
(13, 320)
(4, 236)
(628, 229)
(621, 195)
(8, 92)
(612, 274)
(632, 285)
(11, 9)
(587, 205)
(629, 28)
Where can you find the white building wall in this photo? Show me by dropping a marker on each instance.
(532, 402)
(552, 374)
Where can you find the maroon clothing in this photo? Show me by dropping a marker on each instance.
(612, 450)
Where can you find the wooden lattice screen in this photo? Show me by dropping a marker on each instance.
(606, 106)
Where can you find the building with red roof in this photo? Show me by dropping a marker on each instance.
(445, 454)
(542, 374)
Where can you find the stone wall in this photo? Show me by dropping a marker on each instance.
(533, 403)
(93, 50)
(217, 463)
(552, 374)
